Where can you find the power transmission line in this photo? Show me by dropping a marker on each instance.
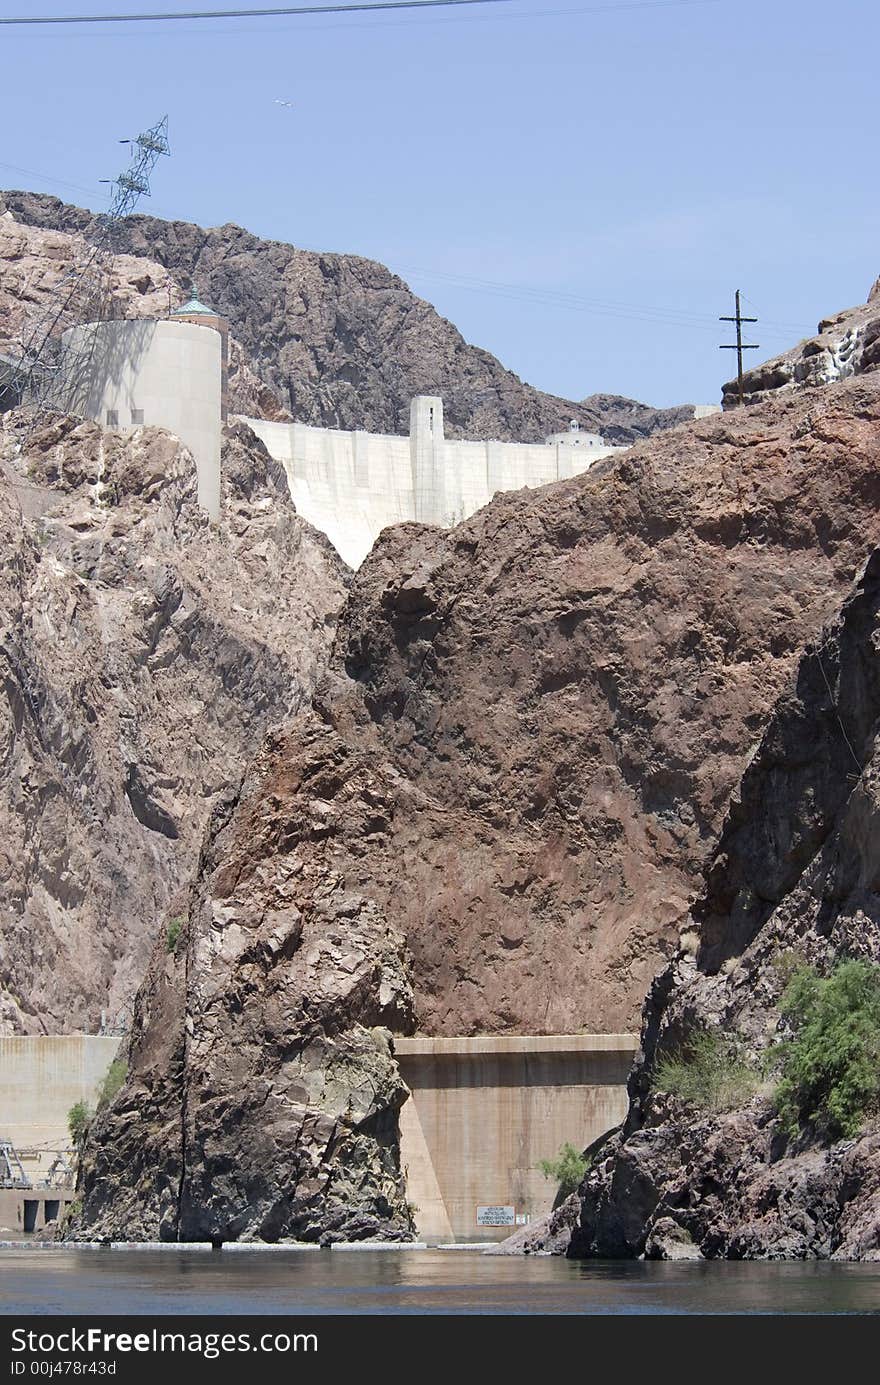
(294, 11)
(637, 312)
(48, 178)
(45, 376)
(248, 13)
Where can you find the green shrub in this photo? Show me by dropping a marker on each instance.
(79, 1118)
(830, 1067)
(72, 1210)
(116, 1075)
(172, 933)
(708, 1072)
(567, 1169)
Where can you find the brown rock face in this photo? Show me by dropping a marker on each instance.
(333, 340)
(795, 871)
(517, 765)
(143, 654)
(568, 687)
(564, 691)
(263, 1097)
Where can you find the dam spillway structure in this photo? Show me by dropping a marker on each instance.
(41, 1077)
(352, 484)
(484, 1110)
(166, 372)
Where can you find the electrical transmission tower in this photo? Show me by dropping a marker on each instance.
(740, 345)
(45, 375)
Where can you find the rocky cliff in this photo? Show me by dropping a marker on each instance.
(626, 420)
(513, 773)
(568, 687)
(332, 340)
(845, 344)
(794, 875)
(143, 655)
(263, 1094)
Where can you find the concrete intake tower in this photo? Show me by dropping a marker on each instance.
(168, 373)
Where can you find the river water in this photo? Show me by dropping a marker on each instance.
(131, 1281)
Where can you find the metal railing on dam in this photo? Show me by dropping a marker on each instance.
(484, 1111)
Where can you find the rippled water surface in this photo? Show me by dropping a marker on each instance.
(414, 1281)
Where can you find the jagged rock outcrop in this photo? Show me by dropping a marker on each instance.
(570, 684)
(846, 344)
(263, 1096)
(795, 874)
(549, 1235)
(333, 340)
(143, 654)
(563, 692)
(626, 420)
(518, 762)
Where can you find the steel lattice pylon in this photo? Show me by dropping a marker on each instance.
(44, 374)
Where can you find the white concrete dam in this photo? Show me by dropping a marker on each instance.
(352, 485)
(172, 373)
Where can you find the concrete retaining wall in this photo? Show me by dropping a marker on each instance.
(353, 485)
(31, 1210)
(484, 1111)
(40, 1079)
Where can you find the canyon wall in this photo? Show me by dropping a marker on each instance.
(494, 818)
(793, 880)
(143, 655)
(568, 687)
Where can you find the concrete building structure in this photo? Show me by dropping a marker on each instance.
(576, 436)
(143, 371)
(352, 485)
(41, 1077)
(31, 1210)
(483, 1112)
(201, 316)
(173, 373)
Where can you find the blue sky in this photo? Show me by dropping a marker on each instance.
(579, 188)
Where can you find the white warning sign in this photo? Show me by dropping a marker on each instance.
(496, 1216)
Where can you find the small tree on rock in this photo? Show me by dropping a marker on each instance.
(79, 1118)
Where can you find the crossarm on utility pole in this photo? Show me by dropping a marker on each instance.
(740, 345)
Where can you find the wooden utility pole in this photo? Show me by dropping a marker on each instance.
(740, 346)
